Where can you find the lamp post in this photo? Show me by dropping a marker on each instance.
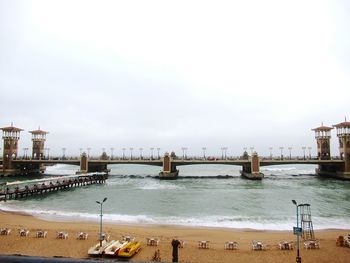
(63, 153)
(101, 203)
(88, 150)
(251, 150)
(270, 148)
(204, 149)
(304, 148)
(124, 153)
(48, 153)
(309, 148)
(131, 149)
(141, 149)
(152, 149)
(281, 148)
(297, 232)
(183, 152)
(225, 152)
(158, 149)
(112, 150)
(186, 152)
(290, 153)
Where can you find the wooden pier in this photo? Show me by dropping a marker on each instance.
(16, 190)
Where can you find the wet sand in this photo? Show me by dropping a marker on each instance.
(71, 247)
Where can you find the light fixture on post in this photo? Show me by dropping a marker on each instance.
(101, 203)
(297, 231)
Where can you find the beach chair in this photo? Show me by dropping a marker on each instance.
(340, 241)
(82, 236)
(105, 236)
(23, 232)
(203, 244)
(231, 245)
(312, 244)
(151, 241)
(41, 234)
(156, 256)
(182, 243)
(347, 241)
(62, 235)
(258, 245)
(5, 231)
(129, 238)
(285, 245)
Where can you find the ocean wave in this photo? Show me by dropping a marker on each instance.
(234, 222)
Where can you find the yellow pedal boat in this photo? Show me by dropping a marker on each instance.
(129, 250)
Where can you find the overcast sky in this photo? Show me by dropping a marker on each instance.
(171, 74)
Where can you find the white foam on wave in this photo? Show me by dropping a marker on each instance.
(61, 169)
(236, 222)
(160, 185)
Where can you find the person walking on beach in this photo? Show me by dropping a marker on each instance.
(176, 244)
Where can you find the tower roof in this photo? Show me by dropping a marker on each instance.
(322, 128)
(38, 131)
(11, 129)
(345, 124)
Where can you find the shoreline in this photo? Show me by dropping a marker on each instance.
(94, 218)
(73, 248)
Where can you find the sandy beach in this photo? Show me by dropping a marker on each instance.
(71, 247)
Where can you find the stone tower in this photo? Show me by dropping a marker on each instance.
(38, 138)
(323, 137)
(10, 136)
(343, 133)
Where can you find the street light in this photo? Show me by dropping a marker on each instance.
(124, 153)
(290, 153)
(141, 149)
(297, 231)
(304, 148)
(158, 149)
(225, 151)
(204, 149)
(309, 148)
(101, 203)
(270, 148)
(183, 152)
(112, 150)
(251, 150)
(131, 149)
(151, 152)
(80, 150)
(281, 148)
(63, 153)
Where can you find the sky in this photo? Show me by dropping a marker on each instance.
(174, 74)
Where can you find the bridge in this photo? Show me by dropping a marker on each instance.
(337, 166)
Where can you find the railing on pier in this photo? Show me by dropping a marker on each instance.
(21, 189)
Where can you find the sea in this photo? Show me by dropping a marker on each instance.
(202, 196)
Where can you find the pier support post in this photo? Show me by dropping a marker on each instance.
(84, 164)
(252, 169)
(169, 169)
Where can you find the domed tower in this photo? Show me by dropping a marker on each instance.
(38, 138)
(323, 137)
(343, 133)
(10, 136)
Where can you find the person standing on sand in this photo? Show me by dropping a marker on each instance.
(176, 244)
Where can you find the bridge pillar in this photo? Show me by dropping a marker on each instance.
(84, 164)
(10, 136)
(169, 169)
(252, 169)
(323, 137)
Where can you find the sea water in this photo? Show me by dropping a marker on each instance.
(203, 195)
